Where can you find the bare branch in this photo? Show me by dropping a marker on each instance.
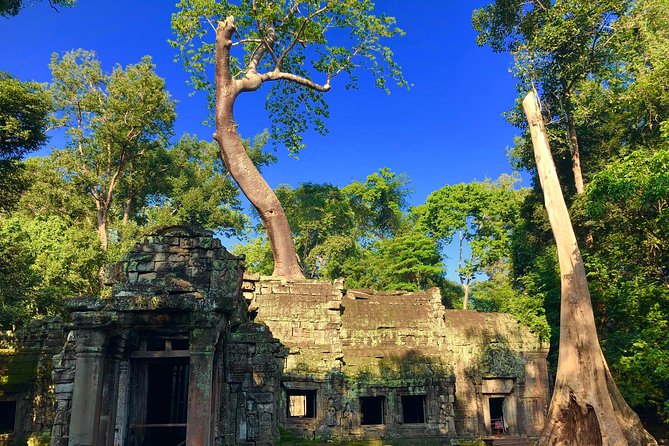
(243, 41)
(298, 35)
(252, 82)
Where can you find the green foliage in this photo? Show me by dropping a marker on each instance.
(44, 261)
(313, 40)
(112, 120)
(117, 124)
(9, 8)
(498, 294)
(627, 209)
(258, 255)
(602, 67)
(379, 203)
(410, 261)
(24, 111)
(195, 189)
(359, 232)
(15, 274)
(482, 214)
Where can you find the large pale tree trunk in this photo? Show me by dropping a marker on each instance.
(238, 163)
(586, 408)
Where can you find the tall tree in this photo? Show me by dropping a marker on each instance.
(287, 44)
(114, 122)
(482, 215)
(24, 112)
(557, 45)
(586, 407)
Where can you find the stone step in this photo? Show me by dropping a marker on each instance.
(511, 441)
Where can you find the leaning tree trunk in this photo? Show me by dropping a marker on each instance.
(586, 408)
(240, 166)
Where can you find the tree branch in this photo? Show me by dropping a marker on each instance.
(280, 75)
(298, 34)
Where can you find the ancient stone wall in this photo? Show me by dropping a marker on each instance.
(25, 366)
(350, 346)
(257, 354)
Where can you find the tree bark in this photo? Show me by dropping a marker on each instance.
(465, 299)
(238, 163)
(102, 224)
(586, 408)
(575, 155)
(126, 210)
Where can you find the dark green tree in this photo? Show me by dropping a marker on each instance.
(24, 114)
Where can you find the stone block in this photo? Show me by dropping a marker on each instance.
(64, 388)
(144, 267)
(146, 277)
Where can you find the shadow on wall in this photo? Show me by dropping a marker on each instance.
(26, 396)
(406, 396)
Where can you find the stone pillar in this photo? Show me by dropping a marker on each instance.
(201, 390)
(122, 404)
(87, 391)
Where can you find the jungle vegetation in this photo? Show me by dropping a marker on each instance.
(605, 98)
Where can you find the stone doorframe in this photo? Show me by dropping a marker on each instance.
(100, 401)
(500, 388)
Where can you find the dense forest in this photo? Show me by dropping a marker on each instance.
(602, 71)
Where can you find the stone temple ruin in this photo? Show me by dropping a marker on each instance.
(189, 350)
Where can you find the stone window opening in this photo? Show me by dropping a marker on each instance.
(301, 403)
(7, 416)
(372, 410)
(413, 409)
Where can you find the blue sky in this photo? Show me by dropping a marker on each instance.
(448, 128)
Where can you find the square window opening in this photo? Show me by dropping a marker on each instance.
(301, 403)
(372, 410)
(413, 408)
(7, 416)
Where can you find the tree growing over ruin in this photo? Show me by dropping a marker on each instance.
(298, 46)
(587, 407)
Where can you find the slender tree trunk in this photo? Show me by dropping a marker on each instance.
(102, 224)
(575, 154)
(465, 299)
(102, 229)
(464, 281)
(586, 408)
(240, 166)
(126, 210)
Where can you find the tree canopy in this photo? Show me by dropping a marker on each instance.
(24, 114)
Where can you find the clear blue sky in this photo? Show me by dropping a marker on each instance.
(447, 129)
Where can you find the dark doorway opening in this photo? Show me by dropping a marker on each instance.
(301, 403)
(496, 414)
(166, 403)
(7, 416)
(372, 410)
(413, 408)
